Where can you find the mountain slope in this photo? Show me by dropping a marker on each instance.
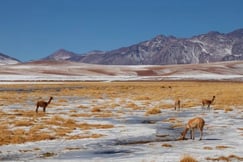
(163, 50)
(4, 60)
(62, 54)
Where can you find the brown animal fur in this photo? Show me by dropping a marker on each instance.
(195, 123)
(207, 102)
(43, 104)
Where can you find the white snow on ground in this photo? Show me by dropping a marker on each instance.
(66, 71)
(136, 137)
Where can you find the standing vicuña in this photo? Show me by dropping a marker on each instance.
(178, 104)
(195, 123)
(207, 102)
(43, 104)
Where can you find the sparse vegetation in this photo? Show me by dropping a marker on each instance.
(207, 148)
(47, 154)
(188, 158)
(21, 124)
(166, 145)
(154, 110)
(222, 147)
(226, 158)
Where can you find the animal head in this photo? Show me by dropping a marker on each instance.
(181, 138)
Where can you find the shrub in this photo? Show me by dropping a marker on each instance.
(188, 158)
(154, 110)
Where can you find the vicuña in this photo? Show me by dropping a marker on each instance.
(43, 104)
(195, 123)
(207, 102)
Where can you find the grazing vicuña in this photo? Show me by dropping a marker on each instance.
(195, 123)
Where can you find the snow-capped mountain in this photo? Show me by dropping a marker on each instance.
(163, 50)
(62, 54)
(4, 60)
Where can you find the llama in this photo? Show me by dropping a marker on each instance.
(43, 104)
(194, 123)
(178, 104)
(207, 102)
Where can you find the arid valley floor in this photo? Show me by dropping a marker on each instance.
(119, 121)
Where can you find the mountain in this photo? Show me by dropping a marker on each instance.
(164, 50)
(62, 55)
(4, 60)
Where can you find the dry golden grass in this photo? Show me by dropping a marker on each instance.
(226, 158)
(96, 109)
(132, 105)
(152, 111)
(207, 148)
(133, 95)
(222, 147)
(47, 154)
(20, 123)
(72, 148)
(84, 136)
(166, 145)
(188, 158)
(228, 109)
(83, 107)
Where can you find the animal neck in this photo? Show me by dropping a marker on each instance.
(213, 99)
(49, 101)
(184, 132)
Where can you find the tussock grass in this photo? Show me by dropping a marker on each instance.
(188, 158)
(228, 109)
(105, 96)
(24, 122)
(226, 158)
(207, 148)
(132, 105)
(25, 150)
(48, 154)
(96, 109)
(153, 111)
(166, 145)
(72, 148)
(55, 120)
(222, 147)
(86, 126)
(83, 107)
(104, 115)
(84, 136)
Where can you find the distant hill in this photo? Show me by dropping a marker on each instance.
(165, 50)
(5, 59)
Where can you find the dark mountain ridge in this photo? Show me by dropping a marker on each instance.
(5, 59)
(160, 50)
(164, 50)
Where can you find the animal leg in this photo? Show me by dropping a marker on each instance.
(191, 133)
(36, 110)
(208, 107)
(193, 136)
(201, 134)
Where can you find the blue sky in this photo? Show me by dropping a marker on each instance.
(33, 29)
